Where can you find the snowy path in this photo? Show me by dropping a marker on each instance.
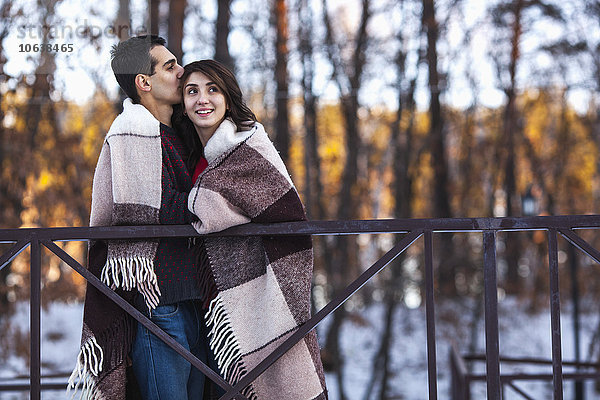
(521, 335)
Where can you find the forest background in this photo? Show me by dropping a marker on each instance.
(380, 109)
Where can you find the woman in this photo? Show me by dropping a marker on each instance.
(261, 285)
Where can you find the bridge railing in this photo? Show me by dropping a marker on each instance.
(462, 378)
(413, 230)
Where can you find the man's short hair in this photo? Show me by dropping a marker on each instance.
(132, 57)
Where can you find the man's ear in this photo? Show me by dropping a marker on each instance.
(142, 82)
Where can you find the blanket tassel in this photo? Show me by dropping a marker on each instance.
(225, 347)
(88, 366)
(133, 273)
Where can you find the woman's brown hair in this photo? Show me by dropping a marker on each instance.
(237, 110)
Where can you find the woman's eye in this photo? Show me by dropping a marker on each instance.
(191, 91)
(213, 89)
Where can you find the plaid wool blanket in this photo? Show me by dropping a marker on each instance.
(126, 191)
(263, 283)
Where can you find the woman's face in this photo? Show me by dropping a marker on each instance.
(204, 104)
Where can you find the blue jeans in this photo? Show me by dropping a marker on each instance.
(160, 371)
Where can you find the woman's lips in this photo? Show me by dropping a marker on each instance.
(204, 112)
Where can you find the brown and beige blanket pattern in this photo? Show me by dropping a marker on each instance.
(126, 191)
(263, 283)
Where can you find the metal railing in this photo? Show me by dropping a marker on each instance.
(413, 229)
(461, 378)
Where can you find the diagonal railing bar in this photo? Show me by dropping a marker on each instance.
(492, 348)
(581, 244)
(333, 305)
(555, 314)
(91, 278)
(430, 316)
(14, 251)
(519, 391)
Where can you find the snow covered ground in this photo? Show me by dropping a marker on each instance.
(61, 335)
(521, 335)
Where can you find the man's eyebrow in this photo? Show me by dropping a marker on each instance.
(171, 61)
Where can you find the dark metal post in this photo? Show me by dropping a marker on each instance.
(492, 348)
(555, 315)
(572, 255)
(34, 318)
(430, 312)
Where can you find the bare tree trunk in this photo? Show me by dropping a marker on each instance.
(154, 22)
(222, 34)
(123, 17)
(387, 340)
(44, 76)
(40, 108)
(349, 104)
(438, 140)
(510, 131)
(313, 187)
(594, 49)
(282, 131)
(382, 358)
(402, 149)
(565, 143)
(403, 146)
(175, 34)
(350, 193)
(343, 253)
(595, 116)
(441, 201)
(122, 21)
(595, 133)
(468, 151)
(40, 96)
(5, 13)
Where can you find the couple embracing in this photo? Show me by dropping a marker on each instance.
(187, 150)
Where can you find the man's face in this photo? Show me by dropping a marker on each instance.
(165, 81)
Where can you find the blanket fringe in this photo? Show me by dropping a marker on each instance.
(133, 273)
(225, 347)
(89, 365)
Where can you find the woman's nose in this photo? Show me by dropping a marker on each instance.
(202, 99)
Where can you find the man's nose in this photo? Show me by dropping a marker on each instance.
(179, 71)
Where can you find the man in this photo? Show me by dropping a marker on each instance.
(141, 179)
